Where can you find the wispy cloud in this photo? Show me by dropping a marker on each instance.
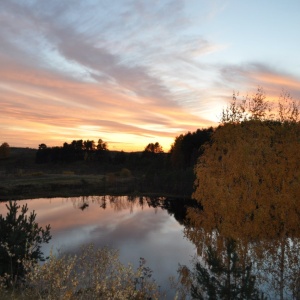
(248, 77)
(131, 72)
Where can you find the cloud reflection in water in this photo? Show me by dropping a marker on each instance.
(135, 230)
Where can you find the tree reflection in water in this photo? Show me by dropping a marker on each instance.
(234, 260)
(273, 258)
(224, 276)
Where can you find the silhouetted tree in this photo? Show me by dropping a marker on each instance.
(153, 148)
(188, 147)
(42, 146)
(20, 238)
(288, 109)
(257, 107)
(43, 154)
(4, 150)
(101, 146)
(78, 145)
(68, 152)
(177, 155)
(89, 145)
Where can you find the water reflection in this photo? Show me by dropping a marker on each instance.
(136, 226)
(254, 259)
(266, 247)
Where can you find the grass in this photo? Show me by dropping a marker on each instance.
(48, 185)
(48, 180)
(22, 178)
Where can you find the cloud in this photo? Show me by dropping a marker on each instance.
(68, 73)
(128, 71)
(247, 77)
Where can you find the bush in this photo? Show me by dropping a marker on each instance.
(92, 274)
(125, 173)
(4, 151)
(20, 238)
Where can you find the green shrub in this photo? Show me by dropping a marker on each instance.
(20, 238)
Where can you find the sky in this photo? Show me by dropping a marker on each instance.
(133, 72)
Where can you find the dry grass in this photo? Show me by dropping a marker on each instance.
(38, 184)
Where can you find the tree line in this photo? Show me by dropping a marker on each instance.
(76, 150)
(153, 169)
(183, 153)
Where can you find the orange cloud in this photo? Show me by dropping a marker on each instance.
(279, 80)
(39, 106)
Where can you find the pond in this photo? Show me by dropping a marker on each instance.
(265, 252)
(137, 227)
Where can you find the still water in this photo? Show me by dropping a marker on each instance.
(137, 227)
(265, 250)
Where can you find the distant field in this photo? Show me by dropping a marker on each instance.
(61, 185)
(48, 185)
(21, 177)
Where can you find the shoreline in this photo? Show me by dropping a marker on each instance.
(71, 185)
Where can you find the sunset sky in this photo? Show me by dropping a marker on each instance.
(136, 72)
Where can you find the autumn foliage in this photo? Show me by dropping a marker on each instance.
(248, 185)
(250, 175)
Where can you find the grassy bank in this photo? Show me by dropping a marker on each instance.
(47, 185)
(22, 178)
(61, 185)
(39, 185)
